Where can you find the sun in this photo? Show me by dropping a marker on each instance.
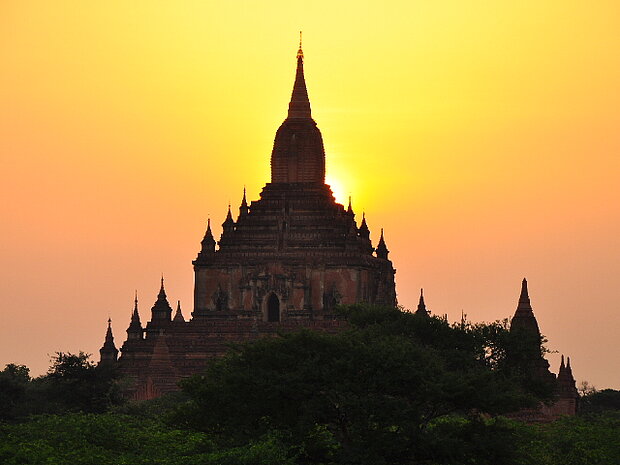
(340, 192)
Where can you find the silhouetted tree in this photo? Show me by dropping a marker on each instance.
(378, 393)
(14, 380)
(600, 401)
(75, 383)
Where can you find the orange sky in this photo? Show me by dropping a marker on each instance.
(483, 136)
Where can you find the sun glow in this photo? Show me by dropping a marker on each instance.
(460, 127)
(340, 191)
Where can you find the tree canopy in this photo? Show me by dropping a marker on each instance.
(381, 392)
(394, 388)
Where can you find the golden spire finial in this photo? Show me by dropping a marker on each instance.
(300, 52)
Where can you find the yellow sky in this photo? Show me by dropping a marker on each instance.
(483, 136)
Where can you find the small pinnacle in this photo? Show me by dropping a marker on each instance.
(524, 292)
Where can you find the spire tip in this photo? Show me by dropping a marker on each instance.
(300, 52)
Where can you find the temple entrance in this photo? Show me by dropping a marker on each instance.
(273, 308)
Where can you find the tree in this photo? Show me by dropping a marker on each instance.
(75, 383)
(111, 439)
(600, 401)
(14, 381)
(577, 440)
(378, 393)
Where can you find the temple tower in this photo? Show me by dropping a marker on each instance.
(108, 352)
(298, 155)
(421, 310)
(529, 356)
(295, 243)
(286, 262)
(529, 359)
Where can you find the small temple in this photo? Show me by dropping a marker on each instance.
(525, 326)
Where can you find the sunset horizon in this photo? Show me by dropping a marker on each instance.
(482, 140)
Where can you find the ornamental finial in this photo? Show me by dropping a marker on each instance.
(300, 52)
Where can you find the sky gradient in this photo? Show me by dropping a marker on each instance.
(483, 136)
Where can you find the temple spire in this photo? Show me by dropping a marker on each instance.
(162, 291)
(299, 107)
(565, 387)
(364, 234)
(524, 298)
(178, 316)
(421, 305)
(524, 315)
(382, 250)
(108, 352)
(229, 218)
(135, 316)
(135, 331)
(161, 310)
(243, 208)
(208, 242)
(229, 224)
(363, 229)
(109, 338)
(298, 155)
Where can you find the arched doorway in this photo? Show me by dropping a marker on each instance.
(273, 308)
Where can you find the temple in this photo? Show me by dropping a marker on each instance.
(531, 358)
(285, 262)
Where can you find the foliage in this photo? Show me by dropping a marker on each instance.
(77, 384)
(106, 439)
(600, 401)
(588, 440)
(158, 409)
(585, 388)
(14, 380)
(396, 388)
(110, 439)
(368, 395)
(73, 383)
